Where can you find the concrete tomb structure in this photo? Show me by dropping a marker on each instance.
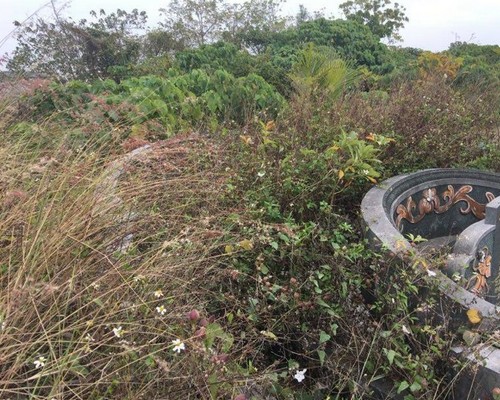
(452, 214)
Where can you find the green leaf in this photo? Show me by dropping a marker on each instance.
(403, 386)
(324, 337)
(322, 303)
(390, 355)
(415, 387)
(228, 341)
(213, 384)
(212, 331)
(321, 355)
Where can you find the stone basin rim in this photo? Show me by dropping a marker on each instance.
(379, 204)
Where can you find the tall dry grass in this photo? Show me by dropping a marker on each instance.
(101, 261)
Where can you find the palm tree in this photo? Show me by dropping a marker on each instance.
(319, 72)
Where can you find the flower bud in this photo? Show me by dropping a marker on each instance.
(193, 315)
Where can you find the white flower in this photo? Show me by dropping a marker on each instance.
(139, 278)
(89, 338)
(431, 273)
(158, 293)
(366, 172)
(118, 332)
(40, 362)
(161, 310)
(405, 330)
(178, 345)
(300, 375)
(260, 174)
(456, 277)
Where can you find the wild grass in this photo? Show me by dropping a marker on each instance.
(98, 276)
(205, 266)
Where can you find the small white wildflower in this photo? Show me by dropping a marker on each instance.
(118, 332)
(161, 310)
(40, 362)
(456, 277)
(178, 345)
(139, 278)
(431, 273)
(405, 330)
(158, 293)
(89, 338)
(95, 285)
(260, 174)
(300, 375)
(366, 172)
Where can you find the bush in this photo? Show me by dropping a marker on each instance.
(432, 124)
(196, 99)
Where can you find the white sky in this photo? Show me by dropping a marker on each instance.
(433, 24)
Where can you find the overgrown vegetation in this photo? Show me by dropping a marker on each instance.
(185, 226)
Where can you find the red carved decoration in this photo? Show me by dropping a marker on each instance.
(431, 202)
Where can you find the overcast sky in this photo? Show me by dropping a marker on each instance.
(433, 24)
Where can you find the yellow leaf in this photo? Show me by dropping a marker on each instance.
(246, 244)
(334, 148)
(270, 126)
(228, 249)
(372, 180)
(371, 137)
(474, 316)
(341, 174)
(269, 335)
(246, 139)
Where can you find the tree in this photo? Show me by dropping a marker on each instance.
(304, 15)
(254, 15)
(159, 42)
(198, 22)
(383, 18)
(202, 22)
(351, 40)
(67, 50)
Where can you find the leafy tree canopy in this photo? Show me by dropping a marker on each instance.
(201, 22)
(85, 50)
(383, 18)
(351, 40)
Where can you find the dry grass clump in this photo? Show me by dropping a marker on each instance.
(97, 280)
